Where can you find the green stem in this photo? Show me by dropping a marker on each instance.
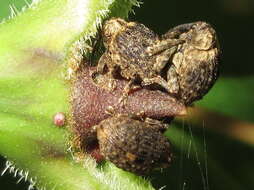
(34, 46)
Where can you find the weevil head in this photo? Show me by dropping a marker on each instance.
(111, 28)
(203, 36)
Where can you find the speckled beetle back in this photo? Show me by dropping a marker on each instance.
(133, 145)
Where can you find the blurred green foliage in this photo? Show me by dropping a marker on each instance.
(217, 162)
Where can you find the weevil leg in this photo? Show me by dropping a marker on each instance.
(106, 80)
(102, 63)
(163, 58)
(172, 80)
(170, 38)
(163, 45)
(126, 92)
(178, 30)
(156, 80)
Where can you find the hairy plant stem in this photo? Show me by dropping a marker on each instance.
(33, 52)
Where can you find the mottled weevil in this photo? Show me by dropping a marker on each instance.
(134, 145)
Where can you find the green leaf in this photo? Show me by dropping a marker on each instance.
(232, 96)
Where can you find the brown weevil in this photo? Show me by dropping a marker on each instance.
(194, 66)
(126, 51)
(134, 145)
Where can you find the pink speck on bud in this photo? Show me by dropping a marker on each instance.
(59, 119)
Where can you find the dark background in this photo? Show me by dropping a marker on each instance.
(233, 21)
